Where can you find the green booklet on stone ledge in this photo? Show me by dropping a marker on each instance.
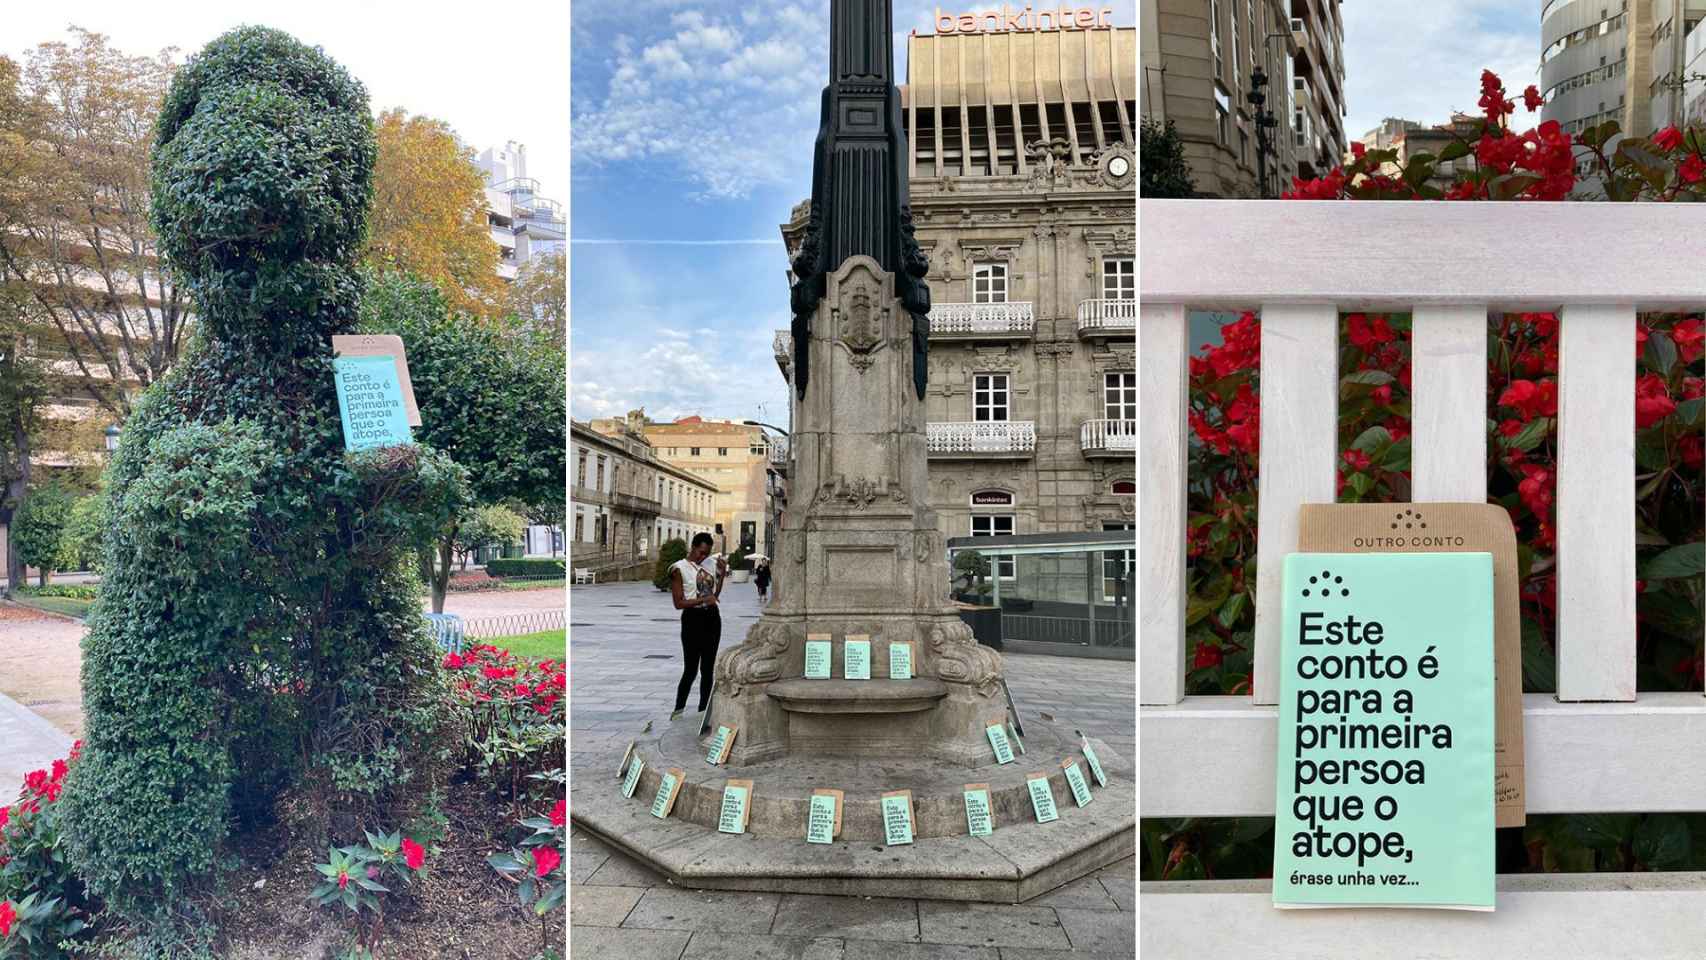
(1385, 772)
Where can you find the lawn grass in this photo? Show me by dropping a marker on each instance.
(546, 643)
(69, 606)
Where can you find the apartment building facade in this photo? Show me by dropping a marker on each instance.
(524, 224)
(735, 458)
(624, 502)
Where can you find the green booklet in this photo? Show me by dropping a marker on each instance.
(370, 402)
(1385, 773)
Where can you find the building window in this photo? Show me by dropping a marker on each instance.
(580, 469)
(989, 397)
(1214, 37)
(1117, 567)
(1119, 395)
(989, 283)
(580, 526)
(1222, 117)
(693, 451)
(1119, 278)
(599, 476)
(996, 525)
(722, 451)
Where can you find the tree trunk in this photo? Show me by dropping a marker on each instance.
(441, 572)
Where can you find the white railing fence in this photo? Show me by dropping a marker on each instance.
(1597, 746)
(1116, 435)
(981, 436)
(1096, 315)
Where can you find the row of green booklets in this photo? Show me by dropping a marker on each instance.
(855, 657)
(1385, 774)
(823, 820)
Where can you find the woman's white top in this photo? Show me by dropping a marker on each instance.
(697, 580)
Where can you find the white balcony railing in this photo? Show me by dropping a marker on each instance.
(1108, 436)
(1014, 317)
(990, 437)
(1102, 316)
(778, 451)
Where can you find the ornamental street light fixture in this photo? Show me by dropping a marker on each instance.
(112, 433)
(1264, 123)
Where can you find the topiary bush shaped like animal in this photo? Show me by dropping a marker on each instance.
(257, 629)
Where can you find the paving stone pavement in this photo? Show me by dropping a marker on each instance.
(624, 660)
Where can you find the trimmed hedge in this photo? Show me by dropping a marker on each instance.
(528, 567)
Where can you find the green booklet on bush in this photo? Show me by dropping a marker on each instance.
(1385, 773)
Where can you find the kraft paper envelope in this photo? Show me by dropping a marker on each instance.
(382, 345)
(1445, 528)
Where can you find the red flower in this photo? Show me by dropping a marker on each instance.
(1531, 98)
(1652, 400)
(1692, 170)
(5, 816)
(59, 769)
(1536, 491)
(1208, 655)
(560, 813)
(451, 661)
(413, 855)
(545, 859)
(1368, 335)
(8, 915)
(1357, 460)
(1693, 388)
(1668, 139)
(1531, 399)
(1693, 450)
(1510, 428)
(1382, 394)
(343, 879)
(523, 690)
(1358, 149)
(1690, 339)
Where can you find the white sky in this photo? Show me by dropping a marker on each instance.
(494, 72)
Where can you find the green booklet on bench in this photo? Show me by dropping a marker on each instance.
(1385, 772)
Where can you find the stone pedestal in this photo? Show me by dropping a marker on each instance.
(860, 553)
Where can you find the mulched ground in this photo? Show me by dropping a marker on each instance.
(462, 909)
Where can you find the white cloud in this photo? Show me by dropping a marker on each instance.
(1421, 61)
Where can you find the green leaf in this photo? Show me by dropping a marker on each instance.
(1187, 868)
(1690, 413)
(1531, 434)
(1686, 560)
(1455, 150)
(1232, 608)
(1662, 840)
(1372, 439)
(1509, 186)
(1372, 378)
(1601, 831)
(1661, 351)
(1360, 482)
(1539, 664)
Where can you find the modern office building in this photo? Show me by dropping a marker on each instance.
(624, 502)
(1678, 53)
(1590, 49)
(735, 458)
(524, 224)
(1021, 152)
(1199, 57)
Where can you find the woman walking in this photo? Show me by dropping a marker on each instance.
(762, 578)
(696, 583)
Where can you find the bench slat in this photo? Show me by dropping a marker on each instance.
(1596, 503)
(1163, 346)
(1448, 413)
(1299, 430)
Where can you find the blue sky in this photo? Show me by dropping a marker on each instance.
(693, 121)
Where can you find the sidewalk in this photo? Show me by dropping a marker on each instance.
(30, 743)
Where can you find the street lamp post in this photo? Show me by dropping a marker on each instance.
(1264, 123)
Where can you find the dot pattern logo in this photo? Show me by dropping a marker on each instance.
(1410, 519)
(1326, 585)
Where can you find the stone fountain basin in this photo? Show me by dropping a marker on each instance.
(799, 695)
(782, 788)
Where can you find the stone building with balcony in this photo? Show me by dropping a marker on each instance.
(1021, 155)
(624, 502)
(736, 458)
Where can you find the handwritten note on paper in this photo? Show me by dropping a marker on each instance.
(900, 660)
(820, 819)
(732, 817)
(632, 780)
(1095, 765)
(897, 817)
(998, 739)
(665, 796)
(1075, 780)
(817, 657)
(856, 658)
(979, 822)
(1042, 798)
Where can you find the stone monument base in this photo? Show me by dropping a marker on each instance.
(1021, 859)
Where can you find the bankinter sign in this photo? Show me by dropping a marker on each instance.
(1024, 19)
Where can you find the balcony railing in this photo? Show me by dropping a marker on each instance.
(628, 501)
(994, 438)
(1108, 437)
(1011, 319)
(1107, 317)
(778, 451)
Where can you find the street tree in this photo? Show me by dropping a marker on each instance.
(429, 213)
(78, 243)
(490, 399)
(539, 297)
(38, 530)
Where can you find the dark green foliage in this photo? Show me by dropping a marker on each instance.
(668, 554)
(255, 630)
(516, 567)
(1165, 172)
(38, 530)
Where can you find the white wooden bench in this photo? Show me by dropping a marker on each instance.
(1597, 745)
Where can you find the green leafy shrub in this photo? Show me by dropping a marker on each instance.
(358, 877)
(538, 867)
(38, 530)
(42, 902)
(69, 591)
(255, 630)
(513, 716)
(669, 554)
(488, 526)
(739, 560)
(84, 532)
(529, 567)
